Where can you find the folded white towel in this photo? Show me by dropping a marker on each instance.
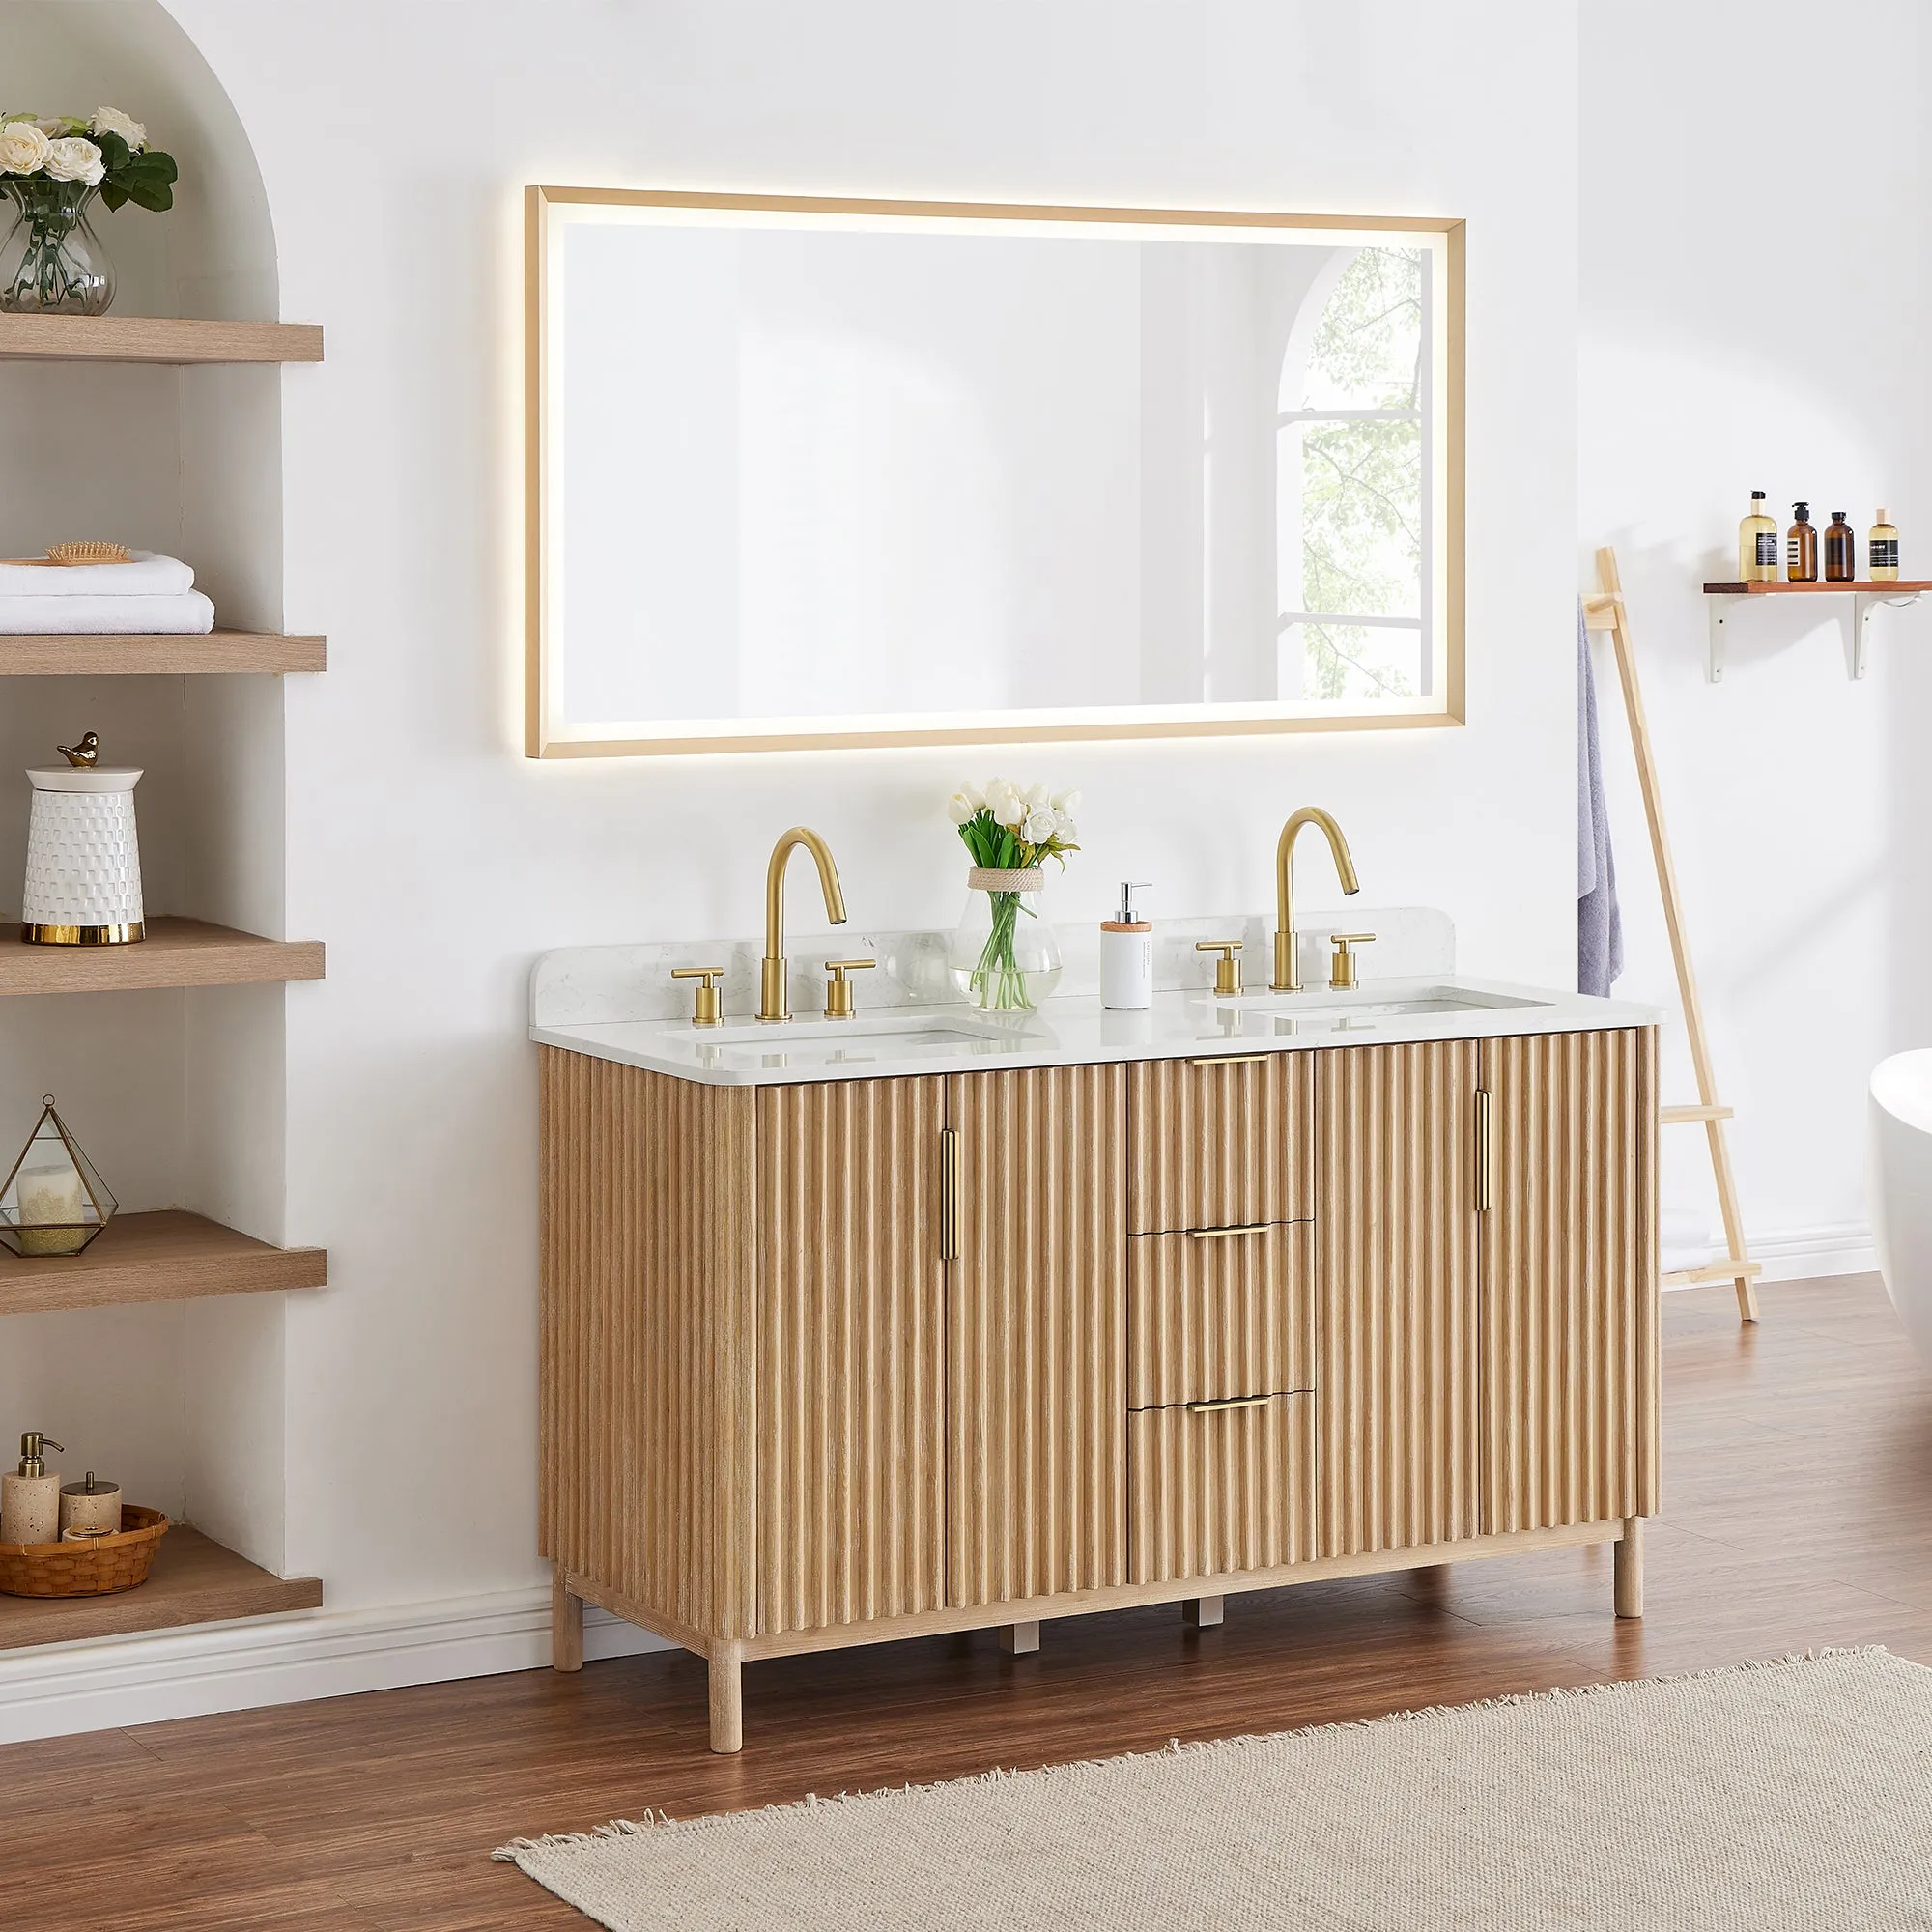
(147, 576)
(190, 613)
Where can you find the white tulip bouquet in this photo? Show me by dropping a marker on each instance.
(1011, 831)
(51, 166)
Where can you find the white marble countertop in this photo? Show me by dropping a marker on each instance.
(1076, 1030)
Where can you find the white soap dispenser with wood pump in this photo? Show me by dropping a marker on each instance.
(1126, 954)
(30, 1498)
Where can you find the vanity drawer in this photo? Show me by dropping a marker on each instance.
(1224, 1141)
(1216, 1488)
(1217, 1312)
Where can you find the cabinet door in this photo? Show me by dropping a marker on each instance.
(1396, 1343)
(1569, 1280)
(851, 1315)
(1036, 1360)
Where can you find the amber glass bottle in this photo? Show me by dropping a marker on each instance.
(1884, 550)
(1800, 548)
(1842, 551)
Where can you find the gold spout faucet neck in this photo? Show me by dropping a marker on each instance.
(1286, 969)
(774, 1002)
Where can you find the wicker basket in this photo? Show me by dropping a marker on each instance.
(96, 1567)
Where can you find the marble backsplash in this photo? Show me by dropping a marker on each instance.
(582, 985)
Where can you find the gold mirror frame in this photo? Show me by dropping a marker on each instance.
(544, 739)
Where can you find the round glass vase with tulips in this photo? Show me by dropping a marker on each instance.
(1005, 957)
(51, 168)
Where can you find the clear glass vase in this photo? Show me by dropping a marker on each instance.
(52, 262)
(1005, 957)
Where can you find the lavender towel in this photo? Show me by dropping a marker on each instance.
(1600, 925)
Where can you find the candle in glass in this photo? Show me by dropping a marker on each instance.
(53, 1207)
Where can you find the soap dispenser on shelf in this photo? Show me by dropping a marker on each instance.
(1126, 954)
(29, 1497)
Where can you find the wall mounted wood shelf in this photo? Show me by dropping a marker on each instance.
(176, 952)
(170, 1256)
(152, 338)
(1724, 599)
(194, 1580)
(148, 654)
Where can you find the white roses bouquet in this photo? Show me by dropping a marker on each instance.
(50, 168)
(1009, 830)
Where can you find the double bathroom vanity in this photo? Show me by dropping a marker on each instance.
(917, 1319)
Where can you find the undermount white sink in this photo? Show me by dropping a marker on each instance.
(823, 1042)
(1326, 1003)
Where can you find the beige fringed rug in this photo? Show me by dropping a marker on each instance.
(1789, 1797)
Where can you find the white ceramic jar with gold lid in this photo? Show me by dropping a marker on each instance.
(83, 855)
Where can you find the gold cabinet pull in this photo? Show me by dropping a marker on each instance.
(949, 1194)
(1486, 1178)
(1222, 1234)
(1229, 1059)
(1225, 1402)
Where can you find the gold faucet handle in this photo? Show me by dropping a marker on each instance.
(839, 989)
(1342, 973)
(708, 1011)
(1227, 968)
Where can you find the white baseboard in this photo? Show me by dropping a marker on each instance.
(1844, 1247)
(109, 1682)
(288, 1660)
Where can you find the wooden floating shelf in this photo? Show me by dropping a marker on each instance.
(153, 654)
(154, 338)
(194, 1580)
(1899, 587)
(170, 1256)
(176, 952)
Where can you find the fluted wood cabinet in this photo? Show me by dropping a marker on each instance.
(833, 1362)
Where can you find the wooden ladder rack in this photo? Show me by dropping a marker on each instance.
(1604, 611)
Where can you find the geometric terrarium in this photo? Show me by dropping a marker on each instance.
(54, 1201)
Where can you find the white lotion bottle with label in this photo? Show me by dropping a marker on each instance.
(1126, 954)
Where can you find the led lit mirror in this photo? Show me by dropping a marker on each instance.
(812, 472)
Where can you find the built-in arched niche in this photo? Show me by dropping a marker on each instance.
(178, 1096)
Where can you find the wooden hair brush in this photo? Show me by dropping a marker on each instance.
(80, 553)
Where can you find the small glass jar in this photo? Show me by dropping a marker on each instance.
(1005, 957)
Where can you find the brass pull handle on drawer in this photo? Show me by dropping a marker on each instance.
(1229, 1059)
(1222, 1234)
(1486, 1178)
(1225, 1402)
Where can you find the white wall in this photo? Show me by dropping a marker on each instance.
(436, 863)
(1753, 292)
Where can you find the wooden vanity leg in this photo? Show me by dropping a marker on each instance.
(566, 1625)
(727, 1699)
(1019, 1639)
(1628, 1568)
(1203, 1612)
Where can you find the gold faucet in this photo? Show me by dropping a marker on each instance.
(773, 1003)
(1286, 973)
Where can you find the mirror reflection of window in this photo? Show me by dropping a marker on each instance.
(1352, 503)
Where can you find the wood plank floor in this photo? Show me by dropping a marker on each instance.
(1798, 1496)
